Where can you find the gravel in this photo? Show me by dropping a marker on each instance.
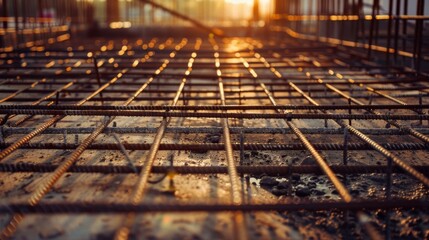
(269, 181)
(302, 191)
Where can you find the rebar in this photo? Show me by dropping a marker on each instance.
(321, 81)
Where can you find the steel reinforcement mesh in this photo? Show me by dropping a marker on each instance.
(210, 138)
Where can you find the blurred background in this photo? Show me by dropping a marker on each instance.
(394, 26)
(219, 13)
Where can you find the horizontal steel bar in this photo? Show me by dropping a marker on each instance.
(197, 66)
(186, 130)
(297, 79)
(256, 170)
(220, 147)
(200, 98)
(184, 51)
(212, 107)
(289, 116)
(227, 91)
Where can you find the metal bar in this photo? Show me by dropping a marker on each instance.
(268, 170)
(298, 79)
(236, 198)
(233, 130)
(136, 198)
(223, 107)
(63, 113)
(218, 147)
(112, 99)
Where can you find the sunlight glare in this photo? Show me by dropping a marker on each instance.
(239, 1)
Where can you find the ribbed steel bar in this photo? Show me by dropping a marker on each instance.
(240, 231)
(188, 98)
(218, 147)
(123, 232)
(301, 80)
(255, 170)
(153, 65)
(228, 91)
(216, 107)
(234, 130)
(140, 113)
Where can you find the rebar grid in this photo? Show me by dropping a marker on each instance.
(229, 96)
